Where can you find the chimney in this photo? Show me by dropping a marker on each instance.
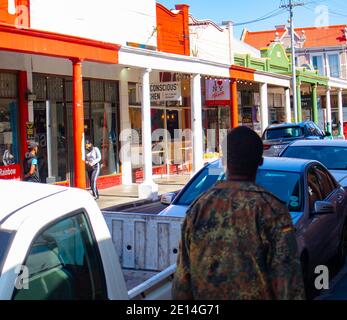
(184, 8)
(281, 27)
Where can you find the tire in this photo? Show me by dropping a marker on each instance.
(306, 276)
(342, 249)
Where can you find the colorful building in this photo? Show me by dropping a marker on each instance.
(322, 70)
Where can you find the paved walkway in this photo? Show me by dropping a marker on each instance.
(125, 194)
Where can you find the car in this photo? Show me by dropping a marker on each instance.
(331, 153)
(277, 137)
(316, 201)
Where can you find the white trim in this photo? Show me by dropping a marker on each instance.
(142, 58)
(337, 83)
(277, 80)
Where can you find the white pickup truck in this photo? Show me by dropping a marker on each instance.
(55, 243)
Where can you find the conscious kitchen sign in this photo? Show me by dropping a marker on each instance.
(217, 92)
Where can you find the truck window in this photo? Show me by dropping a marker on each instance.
(64, 264)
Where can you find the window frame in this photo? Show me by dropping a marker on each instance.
(331, 182)
(321, 55)
(333, 53)
(81, 211)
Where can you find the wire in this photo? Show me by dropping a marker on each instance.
(271, 14)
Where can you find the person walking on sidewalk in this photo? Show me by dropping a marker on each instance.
(238, 241)
(93, 159)
(31, 165)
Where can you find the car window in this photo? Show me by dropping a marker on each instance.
(64, 264)
(334, 158)
(200, 184)
(283, 133)
(290, 192)
(325, 182)
(313, 187)
(5, 239)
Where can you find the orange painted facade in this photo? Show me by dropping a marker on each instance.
(56, 45)
(241, 73)
(173, 30)
(15, 13)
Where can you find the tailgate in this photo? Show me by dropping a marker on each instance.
(143, 241)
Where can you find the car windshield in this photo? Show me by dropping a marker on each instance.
(283, 133)
(289, 192)
(334, 158)
(5, 238)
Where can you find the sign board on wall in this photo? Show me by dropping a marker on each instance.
(11, 172)
(30, 131)
(163, 91)
(217, 92)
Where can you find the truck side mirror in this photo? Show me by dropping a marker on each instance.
(167, 198)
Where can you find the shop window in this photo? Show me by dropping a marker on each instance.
(8, 132)
(40, 88)
(133, 94)
(55, 89)
(8, 85)
(9, 143)
(97, 90)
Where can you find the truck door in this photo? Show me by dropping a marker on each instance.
(64, 263)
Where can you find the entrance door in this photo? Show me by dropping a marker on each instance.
(51, 133)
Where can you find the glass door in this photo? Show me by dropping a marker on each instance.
(51, 133)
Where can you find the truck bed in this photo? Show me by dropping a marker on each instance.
(134, 278)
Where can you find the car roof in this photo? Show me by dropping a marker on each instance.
(286, 164)
(312, 143)
(288, 125)
(15, 195)
(279, 164)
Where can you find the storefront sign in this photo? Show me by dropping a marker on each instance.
(11, 172)
(217, 92)
(30, 131)
(165, 91)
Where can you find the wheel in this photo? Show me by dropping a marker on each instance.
(342, 249)
(306, 276)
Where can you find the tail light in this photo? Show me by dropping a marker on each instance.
(267, 146)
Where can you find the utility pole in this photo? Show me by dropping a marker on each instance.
(290, 6)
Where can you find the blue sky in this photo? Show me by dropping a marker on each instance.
(241, 11)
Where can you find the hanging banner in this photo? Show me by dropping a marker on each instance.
(163, 91)
(217, 93)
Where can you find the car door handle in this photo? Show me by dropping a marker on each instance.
(340, 198)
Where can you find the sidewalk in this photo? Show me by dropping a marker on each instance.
(125, 194)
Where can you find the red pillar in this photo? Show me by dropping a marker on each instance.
(234, 109)
(78, 126)
(23, 114)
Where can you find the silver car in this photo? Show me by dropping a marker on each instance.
(316, 201)
(331, 153)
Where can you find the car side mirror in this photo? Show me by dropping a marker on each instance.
(323, 207)
(327, 134)
(167, 198)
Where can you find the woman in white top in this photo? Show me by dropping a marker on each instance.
(93, 159)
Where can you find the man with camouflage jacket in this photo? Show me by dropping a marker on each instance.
(238, 240)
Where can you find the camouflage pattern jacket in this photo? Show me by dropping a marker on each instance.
(238, 242)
